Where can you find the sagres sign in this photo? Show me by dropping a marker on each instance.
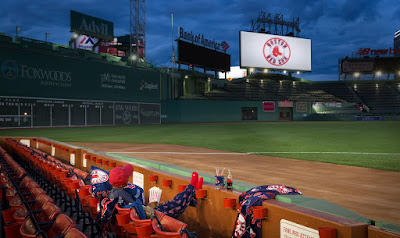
(83, 24)
(46, 76)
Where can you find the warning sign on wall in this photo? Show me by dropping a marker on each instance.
(293, 230)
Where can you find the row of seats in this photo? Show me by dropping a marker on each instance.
(70, 186)
(63, 182)
(26, 208)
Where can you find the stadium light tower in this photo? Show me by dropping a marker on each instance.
(137, 29)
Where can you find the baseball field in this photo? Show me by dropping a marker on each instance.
(362, 144)
(352, 164)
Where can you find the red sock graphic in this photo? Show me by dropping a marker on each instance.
(195, 178)
(200, 183)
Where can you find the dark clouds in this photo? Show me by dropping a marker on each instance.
(337, 28)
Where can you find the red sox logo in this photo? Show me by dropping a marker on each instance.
(99, 176)
(276, 51)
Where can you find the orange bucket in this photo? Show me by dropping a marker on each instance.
(181, 187)
(327, 232)
(259, 212)
(201, 193)
(153, 178)
(229, 202)
(167, 182)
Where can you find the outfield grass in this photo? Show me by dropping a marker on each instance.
(366, 137)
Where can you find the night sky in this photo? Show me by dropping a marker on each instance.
(337, 28)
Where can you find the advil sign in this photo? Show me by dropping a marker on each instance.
(92, 26)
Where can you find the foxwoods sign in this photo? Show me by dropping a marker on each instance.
(201, 40)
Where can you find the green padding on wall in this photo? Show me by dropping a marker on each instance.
(388, 226)
(293, 198)
(322, 206)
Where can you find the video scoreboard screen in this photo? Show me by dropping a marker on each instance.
(199, 56)
(259, 50)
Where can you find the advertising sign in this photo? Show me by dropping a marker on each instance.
(285, 104)
(357, 66)
(85, 42)
(83, 24)
(199, 56)
(259, 50)
(269, 106)
(301, 107)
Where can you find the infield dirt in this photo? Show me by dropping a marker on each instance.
(372, 193)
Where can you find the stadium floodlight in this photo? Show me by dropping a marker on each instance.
(133, 57)
(356, 74)
(284, 71)
(266, 71)
(378, 73)
(298, 72)
(17, 29)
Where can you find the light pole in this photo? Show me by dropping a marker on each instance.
(17, 29)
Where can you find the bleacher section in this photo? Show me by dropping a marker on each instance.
(384, 98)
(272, 90)
(379, 96)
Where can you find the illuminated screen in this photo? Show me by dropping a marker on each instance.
(259, 50)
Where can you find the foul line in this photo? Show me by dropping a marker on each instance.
(249, 153)
(331, 152)
(181, 153)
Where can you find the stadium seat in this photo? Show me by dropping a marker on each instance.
(168, 227)
(74, 233)
(61, 226)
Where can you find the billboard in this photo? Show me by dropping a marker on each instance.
(199, 56)
(259, 50)
(83, 24)
(367, 65)
(51, 76)
(85, 42)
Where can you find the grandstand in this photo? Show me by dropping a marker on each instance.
(173, 90)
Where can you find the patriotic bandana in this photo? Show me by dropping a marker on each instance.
(99, 181)
(246, 226)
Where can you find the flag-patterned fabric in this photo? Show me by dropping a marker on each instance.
(246, 226)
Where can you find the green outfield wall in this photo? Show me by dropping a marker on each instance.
(32, 72)
(187, 111)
